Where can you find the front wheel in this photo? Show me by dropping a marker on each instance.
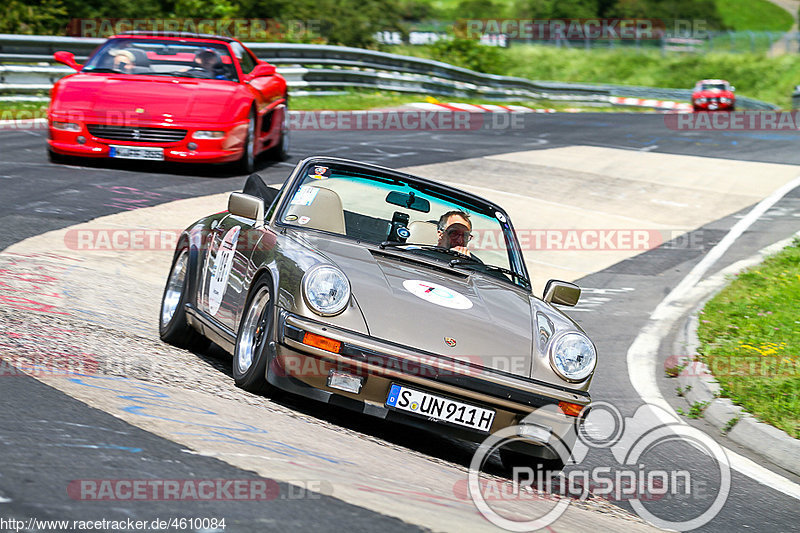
(247, 163)
(280, 152)
(58, 159)
(250, 355)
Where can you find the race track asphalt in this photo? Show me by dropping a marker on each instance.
(48, 439)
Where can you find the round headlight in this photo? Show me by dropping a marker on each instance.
(573, 356)
(326, 290)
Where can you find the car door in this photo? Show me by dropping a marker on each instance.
(230, 247)
(267, 92)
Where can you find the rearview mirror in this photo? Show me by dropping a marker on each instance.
(246, 206)
(409, 201)
(561, 293)
(67, 58)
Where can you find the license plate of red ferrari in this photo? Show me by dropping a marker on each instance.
(439, 408)
(136, 152)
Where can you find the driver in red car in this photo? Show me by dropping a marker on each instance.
(209, 61)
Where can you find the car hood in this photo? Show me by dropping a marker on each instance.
(146, 98)
(712, 94)
(458, 314)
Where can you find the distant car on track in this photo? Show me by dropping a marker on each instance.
(713, 95)
(339, 288)
(169, 97)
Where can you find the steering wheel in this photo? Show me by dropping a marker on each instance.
(199, 72)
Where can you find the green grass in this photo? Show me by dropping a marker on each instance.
(750, 338)
(755, 15)
(11, 110)
(771, 79)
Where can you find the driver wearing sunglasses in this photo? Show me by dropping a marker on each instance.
(455, 231)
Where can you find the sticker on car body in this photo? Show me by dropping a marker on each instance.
(223, 263)
(437, 294)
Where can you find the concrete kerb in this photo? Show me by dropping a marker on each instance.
(699, 386)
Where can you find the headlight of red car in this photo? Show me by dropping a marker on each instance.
(66, 126)
(207, 134)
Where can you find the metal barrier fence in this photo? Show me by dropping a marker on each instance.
(310, 67)
(701, 42)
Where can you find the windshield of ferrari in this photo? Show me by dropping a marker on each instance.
(406, 216)
(153, 57)
(714, 87)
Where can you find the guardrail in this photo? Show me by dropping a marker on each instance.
(310, 67)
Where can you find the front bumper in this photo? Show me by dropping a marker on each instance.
(713, 106)
(304, 369)
(83, 144)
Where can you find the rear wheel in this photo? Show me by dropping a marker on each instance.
(172, 324)
(250, 355)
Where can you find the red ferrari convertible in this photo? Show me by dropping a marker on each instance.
(159, 97)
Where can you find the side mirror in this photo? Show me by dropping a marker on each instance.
(561, 293)
(67, 58)
(261, 70)
(246, 206)
(733, 88)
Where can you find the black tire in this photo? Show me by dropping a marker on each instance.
(280, 152)
(56, 158)
(247, 163)
(251, 353)
(173, 327)
(512, 458)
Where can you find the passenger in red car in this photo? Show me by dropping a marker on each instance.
(124, 61)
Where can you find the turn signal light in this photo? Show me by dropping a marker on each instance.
(323, 343)
(569, 409)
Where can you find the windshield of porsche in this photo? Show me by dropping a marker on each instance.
(153, 57)
(406, 216)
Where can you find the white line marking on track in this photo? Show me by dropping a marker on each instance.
(643, 353)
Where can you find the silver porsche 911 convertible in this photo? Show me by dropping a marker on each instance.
(386, 293)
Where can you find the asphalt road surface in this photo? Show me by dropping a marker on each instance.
(45, 434)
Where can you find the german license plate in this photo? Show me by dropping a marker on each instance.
(439, 408)
(136, 152)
